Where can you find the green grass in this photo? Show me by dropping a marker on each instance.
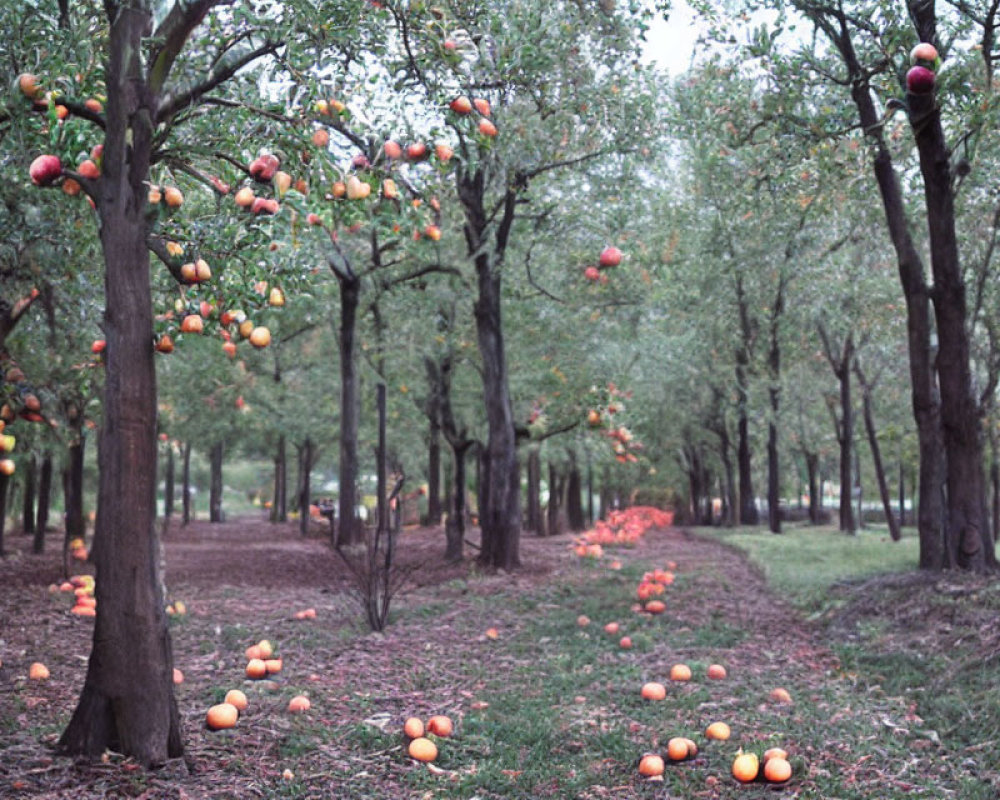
(803, 562)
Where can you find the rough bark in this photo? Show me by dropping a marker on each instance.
(215, 483)
(169, 499)
(127, 704)
(279, 505)
(349, 531)
(4, 491)
(434, 509)
(557, 483)
(455, 527)
(815, 490)
(774, 395)
(304, 495)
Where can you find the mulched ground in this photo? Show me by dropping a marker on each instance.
(242, 580)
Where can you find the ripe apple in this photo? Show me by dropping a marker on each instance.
(594, 417)
(433, 232)
(192, 323)
(461, 105)
(88, 169)
(337, 107)
(260, 337)
(7, 466)
(487, 128)
(246, 328)
(244, 197)
(322, 108)
(339, 189)
(610, 256)
(301, 186)
(97, 153)
(313, 219)
(417, 151)
(174, 249)
(360, 161)
(71, 187)
(165, 344)
(919, 80)
(189, 272)
(264, 205)
(29, 86)
(392, 149)
(320, 138)
(443, 152)
(592, 273)
(263, 167)
(229, 349)
(482, 106)
(357, 189)
(98, 346)
(172, 195)
(276, 297)
(202, 270)
(154, 195)
(282, 182)
(924, 54)
(93, 105)
(45, 169)
(61, 112)
(220, 186)
(450, 45)
(389, 190)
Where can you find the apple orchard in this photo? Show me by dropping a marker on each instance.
(484, 268)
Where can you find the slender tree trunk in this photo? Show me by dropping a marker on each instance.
(574, 496)
(747, 499)
(815, 487)
(880, 478)
(186, 482)
(902, 493)
(535, 522)
(349, 531)
(556, 483)
(127, 703)
(304, 496)
(846, 440)
(76, 523)
(44, 503)
(606, 497)
(434, 509)
(455, 528)
(279, 506)
(590, 492)
(169, 490)
(30, 472)
(215, 485)
(774, 395)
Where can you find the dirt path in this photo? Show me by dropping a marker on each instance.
(244, 580)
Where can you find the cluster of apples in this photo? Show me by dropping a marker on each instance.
(463, 106)
(610, 256)
(623, 528)
(421, 746)
(924, 61)
(81, 586)
(7, 445)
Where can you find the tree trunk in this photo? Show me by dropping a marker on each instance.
(880, 479)
(434, 509)
(774, 395)
(845, 437)
(500, 515)
(606, 497)
(815, 487)
(555, 501)
(127, 704)
(76, 523)
(279, 505)
(349, 531)
(168, 484)
(215, 485)
(455, 528)
(30, 471)
(590, 492)
(970, 540)
(304, 496)
(186, 482)
(44, 503)
(574, 497)
(902, 493)
(923, 388)
(535, 522)
(747, 501)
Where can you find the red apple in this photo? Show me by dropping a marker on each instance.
(482, 106)
(592, 273)
(487, 128)
(919, 80)
(45, 169)
(263, 167)
(392, 149)
(416, 151)
(88, 169)
(443, 152)
(461, 105)
(611, 256)
(93, 105)
(264, 205)
(28, 84)
(314, 219)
